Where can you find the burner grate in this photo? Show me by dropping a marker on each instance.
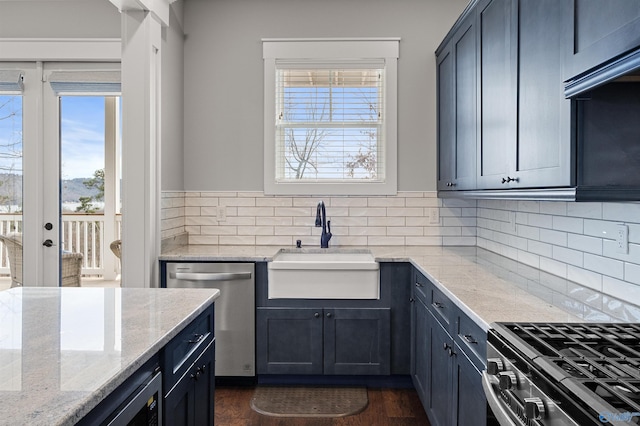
(598, 363)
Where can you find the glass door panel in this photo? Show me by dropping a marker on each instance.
(10, 190)
(89, 131)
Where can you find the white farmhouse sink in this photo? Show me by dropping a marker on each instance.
(324, 274)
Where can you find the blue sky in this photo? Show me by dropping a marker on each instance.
(82, 136)
(82, 133)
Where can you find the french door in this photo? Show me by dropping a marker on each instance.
(69, 143)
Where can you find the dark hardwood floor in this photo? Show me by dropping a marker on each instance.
(387, 407)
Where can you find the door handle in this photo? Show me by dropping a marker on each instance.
(48, 243)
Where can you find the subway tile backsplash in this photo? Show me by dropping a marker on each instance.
(251, 218)
(575, 241)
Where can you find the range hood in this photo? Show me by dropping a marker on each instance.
(606, 124)
(625, 68)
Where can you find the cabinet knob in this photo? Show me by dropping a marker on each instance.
(197, 374)
(317, 315)
(328, 314)
(411, 300)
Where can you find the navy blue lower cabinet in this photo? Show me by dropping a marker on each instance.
(469, 399)
(289, 340)
(331, 341)
(440, 383)
(357, 341)
(448, 351)
(420, 350)
(190, 401)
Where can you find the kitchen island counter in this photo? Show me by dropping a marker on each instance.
(63, 350)
(486, 286)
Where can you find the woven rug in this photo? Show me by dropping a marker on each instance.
(309, 401)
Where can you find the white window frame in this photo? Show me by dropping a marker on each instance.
(339, 50)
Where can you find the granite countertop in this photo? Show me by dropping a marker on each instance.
(62, 350)
(488, 287)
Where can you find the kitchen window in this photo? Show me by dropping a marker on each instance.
(330, 116)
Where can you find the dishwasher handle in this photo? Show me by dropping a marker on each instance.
(210, 276)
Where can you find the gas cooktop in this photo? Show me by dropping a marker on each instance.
(597, 365)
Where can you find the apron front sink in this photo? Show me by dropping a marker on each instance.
(324, 274)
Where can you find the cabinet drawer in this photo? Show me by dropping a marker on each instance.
(184, 349)
(442, 308)
(421, 286)
(473, 340)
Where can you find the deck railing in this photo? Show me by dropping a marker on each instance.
(81, 233)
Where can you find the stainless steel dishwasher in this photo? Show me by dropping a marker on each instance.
(234, 310)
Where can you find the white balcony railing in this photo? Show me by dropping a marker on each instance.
(81, 233)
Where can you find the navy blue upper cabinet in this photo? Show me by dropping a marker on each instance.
(601, 30)
(497, 31)
(543, 148)
(500, 83)
(457, 130)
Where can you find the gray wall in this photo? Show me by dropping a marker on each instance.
(173, 102)
(223, 142)
(63, 19)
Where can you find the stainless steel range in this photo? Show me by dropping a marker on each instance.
(563, 374)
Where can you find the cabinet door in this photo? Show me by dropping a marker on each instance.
(457, 109)
(469, 401)
(497, 29)
(440, 384)
(544, 133)
(601, 30)
(446, 118)
(420, 350)
(204, 387)
(356, 341)
(190, 401)
(289, 341)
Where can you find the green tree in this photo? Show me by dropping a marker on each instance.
(97, 183)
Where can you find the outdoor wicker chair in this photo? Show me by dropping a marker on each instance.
(71, 262)
(116, 248)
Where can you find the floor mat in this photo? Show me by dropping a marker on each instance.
(309, 401)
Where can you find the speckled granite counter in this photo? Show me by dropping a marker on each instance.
(62, 350)
(488, 287)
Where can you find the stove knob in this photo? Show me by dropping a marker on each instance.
(534, 408)
(494, 366)
(508, 380)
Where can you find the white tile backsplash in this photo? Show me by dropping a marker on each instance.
(574, 241)
(254, 218)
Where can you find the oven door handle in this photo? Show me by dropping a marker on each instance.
(494, 402)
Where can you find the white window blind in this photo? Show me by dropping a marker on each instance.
(329, 122)
(330, 108)
(93, 81)
(11, 81)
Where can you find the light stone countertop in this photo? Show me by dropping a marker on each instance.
(62, 350)
(486, 286)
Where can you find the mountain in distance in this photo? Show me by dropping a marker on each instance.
(72, 189)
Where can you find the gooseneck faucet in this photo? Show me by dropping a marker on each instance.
(321, 221)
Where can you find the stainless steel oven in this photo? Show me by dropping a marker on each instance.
(563, 374)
